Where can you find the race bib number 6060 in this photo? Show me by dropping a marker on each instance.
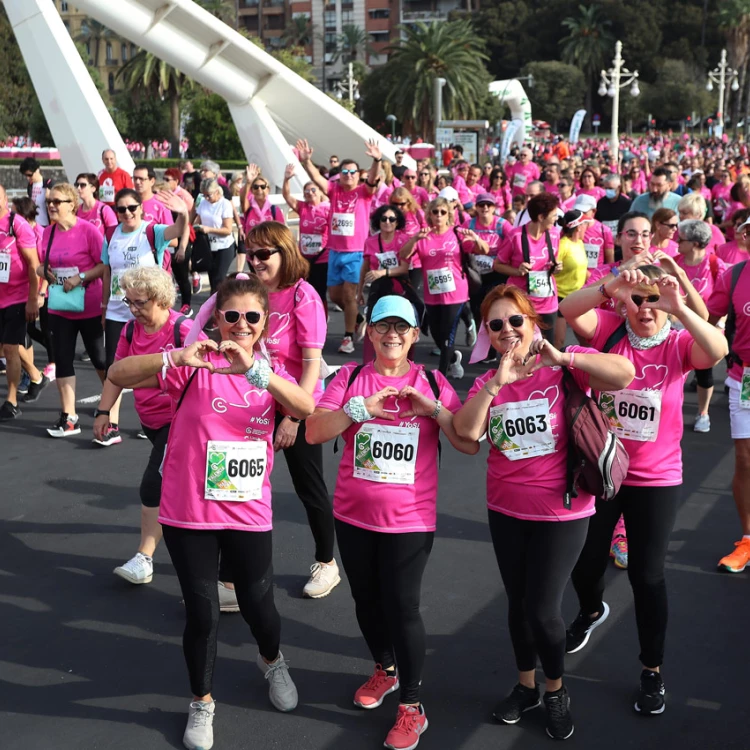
(385, 454)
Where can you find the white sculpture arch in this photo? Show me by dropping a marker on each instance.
(512, 93)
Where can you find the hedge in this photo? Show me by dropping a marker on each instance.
(156, 163)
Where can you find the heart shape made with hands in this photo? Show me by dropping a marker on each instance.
(543, 394)
(658, 369)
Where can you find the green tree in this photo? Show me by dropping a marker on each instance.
(299, 32)
(210, 128)
(734, 21)
(587, 45)
(294, 59)
(142, 118)
(92, 34)
(677, 93)
(224, 10)
(353, 41)
(558, 91)
(441, 50)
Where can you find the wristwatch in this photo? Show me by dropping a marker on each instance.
(293, 419)
(82, 276)
(100, 413)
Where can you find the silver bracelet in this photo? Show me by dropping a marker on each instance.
(356, 410)
(438, 407)
(259, 374)
(486, 388)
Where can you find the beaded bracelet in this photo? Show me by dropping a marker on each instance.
(438, 407)
(259, 374)
(356, 410)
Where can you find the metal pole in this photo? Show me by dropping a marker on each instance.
(437, 101)
(722, 82)
(351, 82)
(616, 103)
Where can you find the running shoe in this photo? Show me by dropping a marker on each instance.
(650, 700)
(50, 372)
(702, 423)
(227, 599)
(559, 721)
(435, 352)
(139, 569)
(3, 366)
(372, 693)
(64, 427)
(521, 699)
(281, 688)
(141, 435)
(197, 284)
(111, 437)
(455, 369)
(85, 357)
(8, 411)
(23, 386)
(347, 346)
(736, 561)
(579, 631)
(187, 311)
(411, 724)
(619, 551)
(323, 580)
(361, 328)
(199, 732)
(35, 390)
(471, 334)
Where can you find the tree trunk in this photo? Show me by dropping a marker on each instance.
(174, 123)
(746, 107)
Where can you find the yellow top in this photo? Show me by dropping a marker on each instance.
(572, 255)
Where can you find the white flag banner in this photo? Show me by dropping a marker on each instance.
(575, 125)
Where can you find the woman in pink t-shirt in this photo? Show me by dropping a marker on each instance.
(216, 489)
(664, 229)
(391, 413)
(737, 249)
(647, 417)
(91, 209)
(590, 182)
(536, 533)
(414, 220)
(256, 207)
(296, 336)
(499, 189)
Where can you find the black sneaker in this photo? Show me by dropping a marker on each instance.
(650, 701)
(112, 437)
(23, 386)
(8, 411)
(559, 720)
(521, 699)
(35, 390)
(66, 426)
(578, 632)
(85, 357)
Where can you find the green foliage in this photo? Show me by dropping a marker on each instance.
(210, 128)
(140, 118)
(18, 99)
(677, 93)
(559, 90)
(299, 32)
(224, 10)
(293, 58)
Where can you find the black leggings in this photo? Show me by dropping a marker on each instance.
(112, 331)
(195, 556)
(64, 334)
(181, 273)
(305, 463)
(443, 320)
(705, 378)
(220, 262)
(649, 514)
(318, 279)
(385, 575)
(489, 282)
(535, 560)
(549, 332)
(151, 481)
(41, 335)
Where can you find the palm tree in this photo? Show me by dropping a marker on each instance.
(225, 10)
(352, 41)
(299, 32)
(587, 45)
(734, 20)
(93, 32)
(452, 51)
(147, 73)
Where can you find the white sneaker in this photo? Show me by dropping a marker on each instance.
(227, 599)
(323, 580)
(455, 370)
(281, 690)
(347, 346)
(139, 569)
(702, 423)
(471, 334)
(199, 732)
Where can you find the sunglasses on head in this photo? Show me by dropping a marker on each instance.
(400, 326)
(57, 202)
(349, 171)
(638, 300)
(439, 212)
(81, 185)
(259, 187)
(389, 219)
(123, 209)
(263, 254)
(232, 316)
(497, 324)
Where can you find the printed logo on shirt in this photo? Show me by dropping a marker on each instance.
(220, 406)
(275, 329)
(446, 247)
(661, 371)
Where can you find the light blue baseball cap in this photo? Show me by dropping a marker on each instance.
(393, 306)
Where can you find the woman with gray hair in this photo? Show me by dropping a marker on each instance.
(694, 206)
(155, 328)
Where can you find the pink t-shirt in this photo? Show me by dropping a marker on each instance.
(721, 197)
(495, 235)
(256, 215)
(14, 273)
(731, 253)
(703, 276)
(718, 305)
(153, 405)
(76, 251)
(297, 321)
(717, 238)
(350, 218)
(155, 212)
(519, 175)
(596, 192)
(101, 216)
(464, 194)
(383, 254)
(442, 272)
(671, 248)
(414, 222)
(223, 408)
(511, 254)
(503, 198)
(552, 189)
(367, 502)
(532, 487)
(313, 230)
(659, 381)
(596, 240)
(421, 196)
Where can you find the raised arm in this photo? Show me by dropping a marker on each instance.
(372, 149)
(291, 201)
(305, 159)
(178, 206)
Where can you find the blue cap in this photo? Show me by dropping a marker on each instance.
(394, 306)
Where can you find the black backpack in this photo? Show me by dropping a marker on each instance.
(177, 336)
(730, 327)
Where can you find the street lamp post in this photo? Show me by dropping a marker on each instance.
(719, 76)
(349, 87)
(612, 80)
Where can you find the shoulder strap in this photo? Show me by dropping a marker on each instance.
(273, 211)
(550, 249)
(129, 331)
(101, 213)
(151, 237)
(473, 223)
(525, 245)
(11, 226)
(49, 247)
(617, 335)
(736, 271)
(177, 335)
(109, 233)
(184, 392)
(380, 242)
(430, 375)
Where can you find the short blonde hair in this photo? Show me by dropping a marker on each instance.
(210, 185)
(66, 189)
(438, 203)
(693, 204)
(155, 283)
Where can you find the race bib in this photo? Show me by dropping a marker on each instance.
(65, 273)
(385, 454)
(440, 281)
(592, 254)
(633, 415)
(235, 470)
(115, 291)
(519, 180)
(107, 193)
(611, 225)
(744, 388)
(484, 263)
(342, 225)
(310, 244)
(522, 429)
(540, 284)
(387, 260)
(5, 268)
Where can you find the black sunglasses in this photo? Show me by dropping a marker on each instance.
(123, 209)
(497, 324)
(638, 300)
(259, 187)
(82, 185)
(232, 316)
(262, 254)
(439, 212)
(57, 202)
(389, 219)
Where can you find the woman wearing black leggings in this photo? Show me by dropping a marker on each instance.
(391, 413)
(536, 534)
(647, 417)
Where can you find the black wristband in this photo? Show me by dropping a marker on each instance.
(377, 160)
(101, 413)
(293, 419)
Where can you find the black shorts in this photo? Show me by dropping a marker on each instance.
(13, 324)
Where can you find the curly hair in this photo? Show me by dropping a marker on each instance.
(153, 282)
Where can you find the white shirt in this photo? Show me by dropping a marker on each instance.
(213, 215)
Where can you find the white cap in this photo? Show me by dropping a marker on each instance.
(585, 203)
(449, 193)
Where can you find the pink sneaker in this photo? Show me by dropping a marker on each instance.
(411, 723)
(371, 694)
(49, 372)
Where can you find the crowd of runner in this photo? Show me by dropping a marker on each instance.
(645, 263)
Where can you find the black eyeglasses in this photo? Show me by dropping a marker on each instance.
(259, 187)
(638, 300)
(57, 202)
(410, 177)
(399, 205)
(439, 212)
(401, 327)
(497, 324)
(124, 209)
(81, 185)
(137, 303)
(263, 254)
(389, 219)
(232, 316)
(669, 226)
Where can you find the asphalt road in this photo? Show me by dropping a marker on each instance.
(88, 661)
